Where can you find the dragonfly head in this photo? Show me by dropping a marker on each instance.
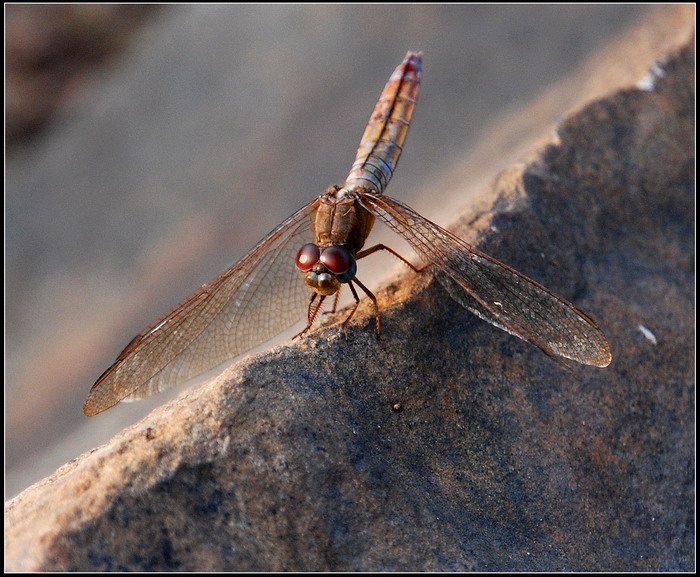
(325, 269)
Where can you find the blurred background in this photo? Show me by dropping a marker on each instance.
(149, 147)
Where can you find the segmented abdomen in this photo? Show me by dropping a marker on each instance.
(386, 131)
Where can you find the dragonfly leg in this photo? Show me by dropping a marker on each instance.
(311, 313)
(377, 247)
(335, 305)
(377, 328)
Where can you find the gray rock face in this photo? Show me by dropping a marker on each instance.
(448, 444)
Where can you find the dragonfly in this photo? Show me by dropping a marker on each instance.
(261, 295)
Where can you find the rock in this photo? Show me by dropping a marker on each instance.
(448, 445)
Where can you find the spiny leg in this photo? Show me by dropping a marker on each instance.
(335, 305)
(378, 247)
(377, 328)
(311, 312)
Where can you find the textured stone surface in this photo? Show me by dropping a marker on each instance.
(448, 445)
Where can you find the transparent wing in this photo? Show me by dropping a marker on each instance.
(246, 305)
(494, 291)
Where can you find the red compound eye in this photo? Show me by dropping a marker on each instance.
(307, 257)
(337, 259)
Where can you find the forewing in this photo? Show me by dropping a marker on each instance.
(494, 291)
(249, 303)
